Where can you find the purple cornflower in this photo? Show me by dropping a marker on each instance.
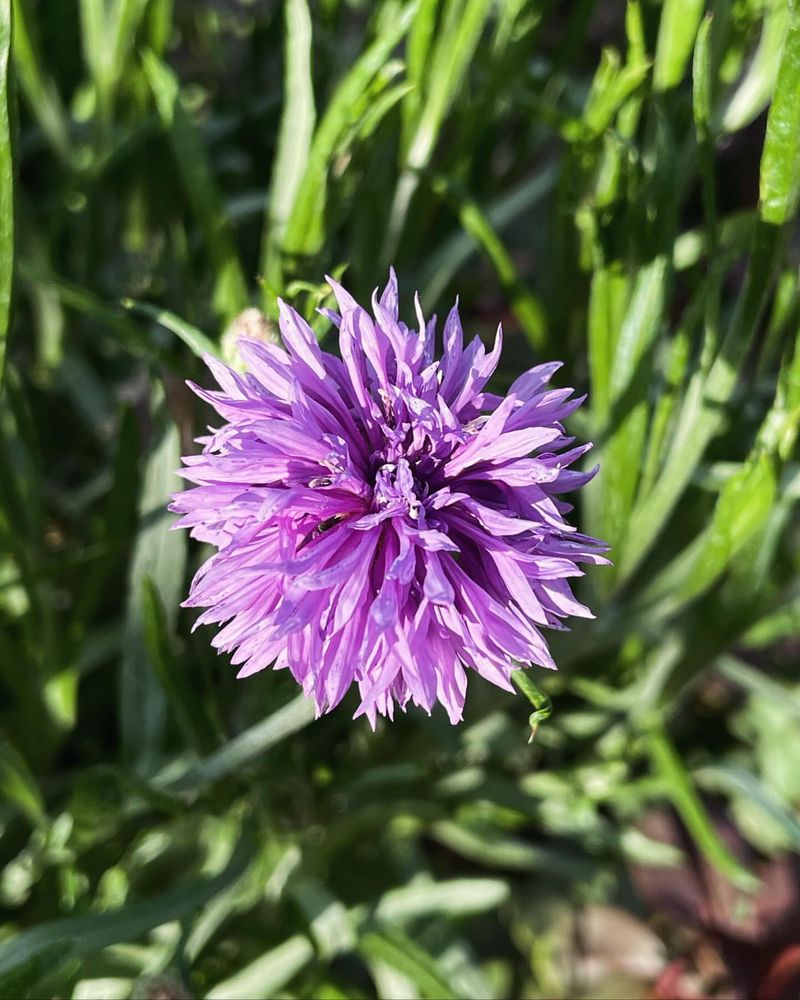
(380, 518)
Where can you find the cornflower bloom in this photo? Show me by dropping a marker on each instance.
(380, 518)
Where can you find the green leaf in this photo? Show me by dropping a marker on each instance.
(524, 303)
(703, 411)
(779, 431)
(119, 520)
(159, 24)
(640, 326)
(246, 747)
(486, 845)
(611, 87)
(379, 106)
(677, 29)
(305, 227)
(676, 365)
(194, 339)
(744, 505)
(18, 785)
(455, 898)
(753, 92)
(230, 290)
(294, 136)
(182, 695)
(758, 683)
(779, 179)
(78, 936)
(389, 983)
(775, 625)
(732, 780)
(35, 83)
(455, 46)
(746, 500)
(404, 955)
(108, 31)
(612, 494)
(419, 65)
(108, 318)
(265, 878)
(505, 210)
(265, 977)
(6, 183)
(160, 555)
(607, 298)
(735, 234)
(457, 40)
(331, 926)
(668, 765)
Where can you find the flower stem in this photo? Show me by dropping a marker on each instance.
(542, 705)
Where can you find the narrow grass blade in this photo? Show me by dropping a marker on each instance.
(19, 786)
(776, 624)
(88, 304)
(421, 39)
(744, 505)
(37, 86)
(779, 181)
(294, 137)
(524, 303)
(450, 57)
(676, 368)
(266, 877)
(747, 499)
(78, 936)
(331, 926)
(668, 765)
(758, 683)
(6, 183)
(455, 46)
(404, 955)
(118, 523)
(611, 87)
(94, 40)
(160, 555)
(194, 339)
(454, 898)
(612, 495)
(607, 299)
(305, 227)
(445, 261)
(736, 781)
(182, 695)
(125, 20)
(752, 94)
(702, 108)
(230, 291)
(735, 235)
(265, 977)
(703, 411)
(159, 24)
(487, 846)
(108, 31)
(247, 747)
(677, 29)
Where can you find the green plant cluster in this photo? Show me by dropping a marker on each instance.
(618, 183)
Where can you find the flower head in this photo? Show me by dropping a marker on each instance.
(380, 518)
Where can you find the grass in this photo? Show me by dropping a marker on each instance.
(620, 187)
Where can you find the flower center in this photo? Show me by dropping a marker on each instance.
(395, 488)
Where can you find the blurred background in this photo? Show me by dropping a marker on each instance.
(618, 185)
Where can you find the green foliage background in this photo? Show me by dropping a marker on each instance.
(618, 184)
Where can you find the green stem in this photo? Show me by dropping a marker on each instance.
(543, 707)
